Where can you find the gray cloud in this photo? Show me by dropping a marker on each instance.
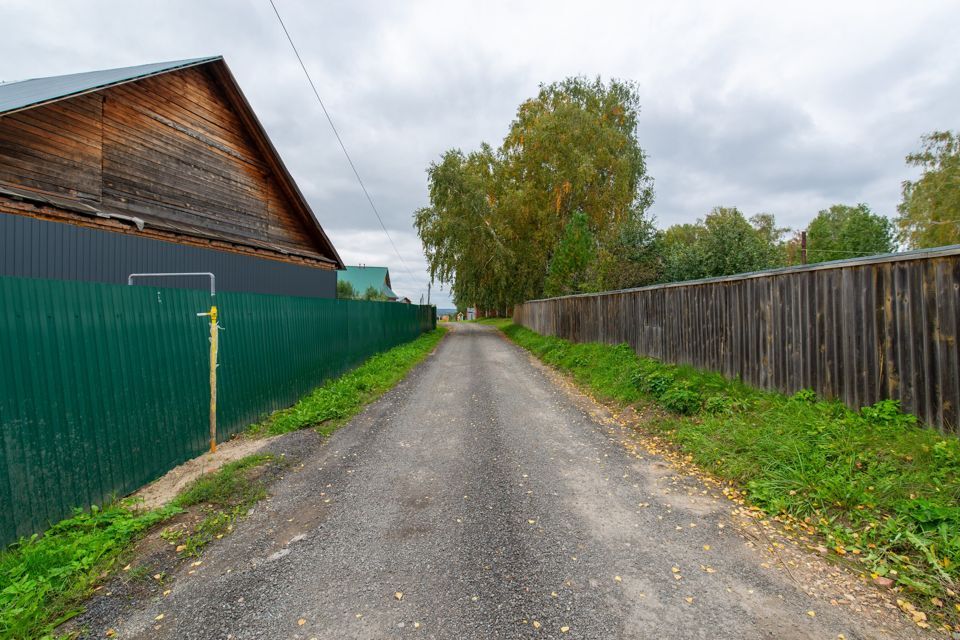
(765, 107)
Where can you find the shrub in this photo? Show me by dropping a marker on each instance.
(681, 398)
(887, 413)
(719, 405)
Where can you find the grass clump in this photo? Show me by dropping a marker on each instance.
(45, 577)
(331, 405)
(223, 496)
(879, 488)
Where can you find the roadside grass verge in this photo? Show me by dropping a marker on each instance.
(882, 491)
(45, 579)
(330, 406)
(222, 497)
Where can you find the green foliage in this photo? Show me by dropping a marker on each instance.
(228, 487)
(872, 483)
(45, 577)
(331, 405)
(887, 413)
(496, 217)
(568, 272)
(224, 496)
(345, 290)
(682, 398)
(724, 243)
(930, 210)
(630, 256)
(848, 232)
(375, 295)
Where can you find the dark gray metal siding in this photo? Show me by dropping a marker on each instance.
(33, 248)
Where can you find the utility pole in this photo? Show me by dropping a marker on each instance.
(803, 247)
(428, 293)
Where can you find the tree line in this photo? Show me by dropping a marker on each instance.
(562, 207)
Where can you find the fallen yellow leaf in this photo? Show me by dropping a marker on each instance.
(536, 625)
(398, 595)
(564, 629)
(301, 622)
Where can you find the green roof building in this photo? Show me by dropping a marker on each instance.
(363, 277)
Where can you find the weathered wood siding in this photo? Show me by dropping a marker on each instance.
(169, 149)
(859, 330)
(56, 149)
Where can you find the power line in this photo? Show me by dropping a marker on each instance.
(340, 140)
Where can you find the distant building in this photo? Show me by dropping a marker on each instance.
(156, 168)
(362, 278)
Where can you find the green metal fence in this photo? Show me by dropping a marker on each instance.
(104, 388)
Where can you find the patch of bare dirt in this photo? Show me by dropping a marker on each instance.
(164, 489)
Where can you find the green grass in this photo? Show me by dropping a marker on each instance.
(872, 483)
(44, 579)
(223, 497)
(331, 405)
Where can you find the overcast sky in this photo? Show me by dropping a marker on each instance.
(767, 106)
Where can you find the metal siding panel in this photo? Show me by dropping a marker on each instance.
(44, 249)
(107, 385)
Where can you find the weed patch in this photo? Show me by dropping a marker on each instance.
(223, 497)
(881, 490)
(44, 578)
(331, 405)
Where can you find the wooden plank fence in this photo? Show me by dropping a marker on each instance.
(859, 330)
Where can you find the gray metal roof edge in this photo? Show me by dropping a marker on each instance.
(916, 254)
(173, 65)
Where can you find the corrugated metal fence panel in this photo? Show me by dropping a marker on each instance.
(860, 331)
(105, 387)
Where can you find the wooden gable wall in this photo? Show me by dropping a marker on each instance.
(169, 149)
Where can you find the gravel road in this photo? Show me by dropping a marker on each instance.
(478, 499)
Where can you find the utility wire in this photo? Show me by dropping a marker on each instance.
(340, 140)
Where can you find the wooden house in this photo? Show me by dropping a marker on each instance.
(156, 168)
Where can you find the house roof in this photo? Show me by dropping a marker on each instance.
(28, 94)
(25, 94)
(363, 277)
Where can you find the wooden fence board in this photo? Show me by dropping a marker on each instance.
(857, 330)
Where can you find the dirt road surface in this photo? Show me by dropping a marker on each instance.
(478, 499)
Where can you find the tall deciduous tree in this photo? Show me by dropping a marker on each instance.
(930, 211)
(569, 270)
(843, 232)
(496, 217)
